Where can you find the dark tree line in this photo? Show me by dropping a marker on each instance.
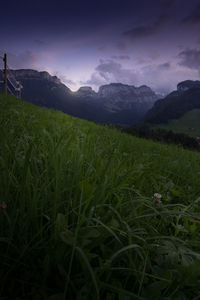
(162, 135)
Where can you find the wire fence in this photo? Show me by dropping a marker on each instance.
(8, 80)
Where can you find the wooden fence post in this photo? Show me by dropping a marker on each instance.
(5, 73)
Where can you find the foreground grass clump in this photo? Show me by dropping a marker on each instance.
(77, 217)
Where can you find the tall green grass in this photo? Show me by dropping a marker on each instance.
(81, 222)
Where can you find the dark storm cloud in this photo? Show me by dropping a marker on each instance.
(194, 17)
(26, 59)
(190, 58)
(144, 31)
(121, 57)
(165, 66)
(110, 71)
(108, 66)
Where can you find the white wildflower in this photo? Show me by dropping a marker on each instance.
(157, 198)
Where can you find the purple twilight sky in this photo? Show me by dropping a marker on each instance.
(152, 42)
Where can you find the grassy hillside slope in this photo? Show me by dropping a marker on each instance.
(77, 214)
(185, 124)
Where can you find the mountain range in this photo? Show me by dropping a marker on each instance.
(114, 103)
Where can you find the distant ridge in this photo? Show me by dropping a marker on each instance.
(176, 104)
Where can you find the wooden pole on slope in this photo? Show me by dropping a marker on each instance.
(5, 73)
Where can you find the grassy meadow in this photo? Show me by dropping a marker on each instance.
(185, 124)
(78, 219)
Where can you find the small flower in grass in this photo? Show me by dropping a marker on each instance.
(157, 198)
(3, 205)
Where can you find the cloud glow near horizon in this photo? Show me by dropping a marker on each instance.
(156, 43)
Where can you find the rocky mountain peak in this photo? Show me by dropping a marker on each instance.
(127, 94)
(22, 74)
(145, 89)
(187, 84)
(85, 91)
(114, 88)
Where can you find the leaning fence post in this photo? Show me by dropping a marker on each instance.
(5, 73)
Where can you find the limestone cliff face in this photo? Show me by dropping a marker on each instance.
(184, 86)
(127, 92)
(33, 74)
(127, 96)
(118, 96)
